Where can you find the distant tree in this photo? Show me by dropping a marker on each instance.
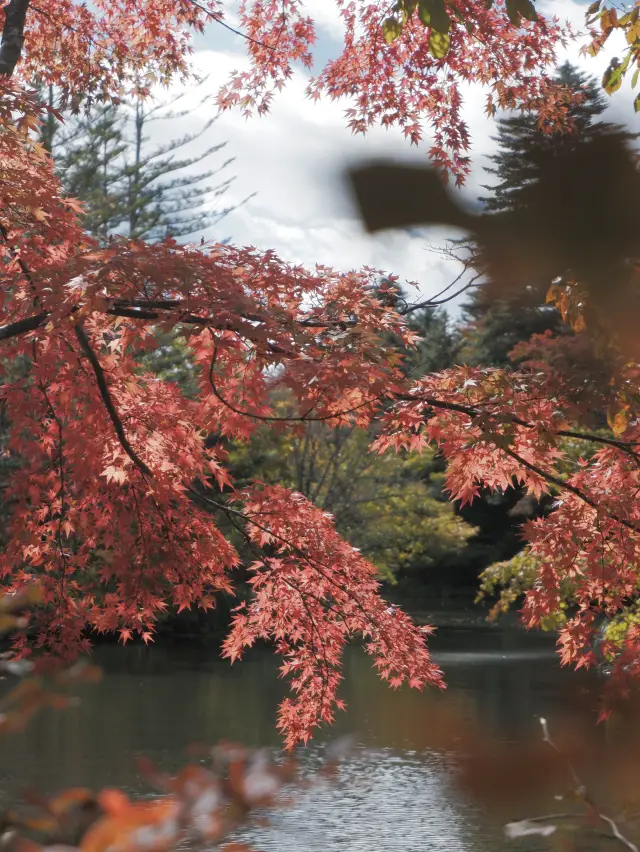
(438, 345)
(492, 327)
(132, 187)
(393, 508)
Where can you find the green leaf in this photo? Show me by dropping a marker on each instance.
(424, 14)
(636, 103)
(612, 79)
(634, 79)
(521, 8)
(488, 4)
(433, 13)
(391, 29)
(439, 44)
(593, 8)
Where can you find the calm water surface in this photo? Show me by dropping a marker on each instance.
(396, 792)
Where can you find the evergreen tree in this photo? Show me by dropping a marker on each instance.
(490, 327)
(493, 327)
(133, 188)
(439, 342)
(144, 191)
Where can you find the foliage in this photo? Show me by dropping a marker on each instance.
(127, 186)
(511, 580)
(500, 428)
(493, 328)
(520, 139)
(416, 60)
(438, 342)
(603, 19)
(108, 504)
(115, 502)
(389, 507)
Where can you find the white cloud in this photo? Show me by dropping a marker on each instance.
(295, 156)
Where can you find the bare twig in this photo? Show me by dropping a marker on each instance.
(582, 791)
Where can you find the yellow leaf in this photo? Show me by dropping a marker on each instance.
(439, 44)
(617, 421)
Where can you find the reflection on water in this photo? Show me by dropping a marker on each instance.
(395, 793)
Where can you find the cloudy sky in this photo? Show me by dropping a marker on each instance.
(294, 157)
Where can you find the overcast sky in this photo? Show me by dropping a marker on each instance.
(294, 157)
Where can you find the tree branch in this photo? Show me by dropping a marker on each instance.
(15, 13)
(561, 483)
(14, 329)
(108, 401)
(623, 446)
(217, 18)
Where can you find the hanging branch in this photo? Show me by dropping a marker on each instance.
(12, 35)
(108, 401)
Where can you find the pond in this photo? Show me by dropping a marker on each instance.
(396, 791)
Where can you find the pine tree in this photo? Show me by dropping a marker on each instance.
(520, 138)
(143, 191)
(132, 188)
(439, 342)
(493, 327)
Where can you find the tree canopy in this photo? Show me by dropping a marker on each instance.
(121, 478)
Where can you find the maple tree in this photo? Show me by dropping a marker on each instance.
(406, 69)
(118, 483)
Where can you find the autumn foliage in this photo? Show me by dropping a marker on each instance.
(115, 497)
(121, 481)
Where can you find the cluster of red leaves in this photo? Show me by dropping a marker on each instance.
(106, 48)
(402, 84)
(99, 50)
(310, 597)
(113, 504)
(114, 499)
(500, 428)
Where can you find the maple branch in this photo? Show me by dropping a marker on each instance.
(326, 665)
(152, 310)
(15, 13)
(108, 401)
(561, 483)
(314, 563)
(470, 411)
(60, 460)
(14, 329)
(222, 23)
(548, 477)
(268, 418)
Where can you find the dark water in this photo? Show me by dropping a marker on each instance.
(396, 792)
